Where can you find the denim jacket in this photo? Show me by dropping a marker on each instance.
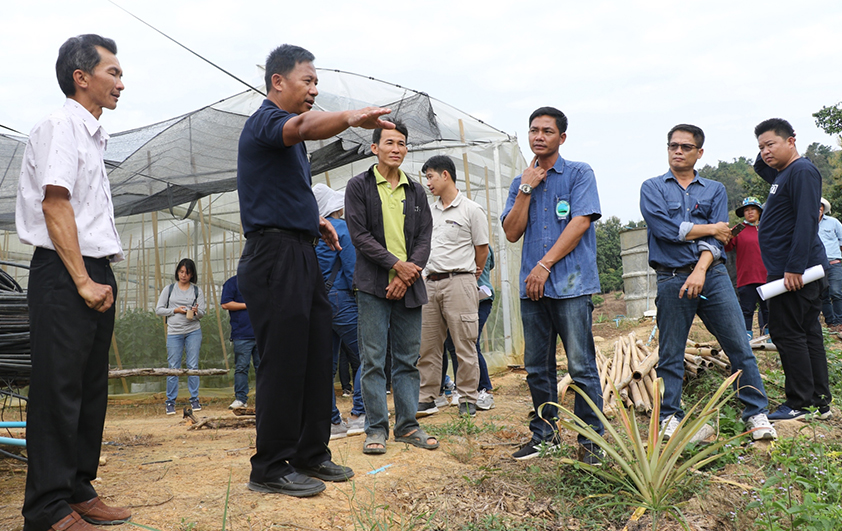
(364, 216)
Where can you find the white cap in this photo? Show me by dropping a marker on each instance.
(329, 200)
(826, 204)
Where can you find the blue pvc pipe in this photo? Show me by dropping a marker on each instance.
(12, 424)
(12, 442)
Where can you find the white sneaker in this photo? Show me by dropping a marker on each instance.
(668, 426)
(356, 426)
(338, 431)
(442, 401)
(485, 401)
(236, 404)
(454, 400)
(763, 429)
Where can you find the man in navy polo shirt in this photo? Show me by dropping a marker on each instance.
(686, 226)
(242, 335)
(280, 279)
(790, 244)
(553, 205)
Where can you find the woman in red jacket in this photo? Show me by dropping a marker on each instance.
(750, 270)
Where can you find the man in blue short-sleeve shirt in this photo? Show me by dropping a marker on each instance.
(280, 279)
(553, 205)
(242, 335)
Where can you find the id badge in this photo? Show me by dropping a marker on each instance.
(562, 209)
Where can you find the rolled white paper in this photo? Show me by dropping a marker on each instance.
(775, 288)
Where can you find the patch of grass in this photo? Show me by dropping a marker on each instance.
(461, 426)
(373, 515)
(803, 489)
(493, 522)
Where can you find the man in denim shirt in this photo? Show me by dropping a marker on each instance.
(686, 219)
(552, 206)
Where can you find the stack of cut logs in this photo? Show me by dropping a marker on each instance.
(632, 369)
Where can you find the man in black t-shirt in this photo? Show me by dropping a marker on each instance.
(790, 244)
(280, 279)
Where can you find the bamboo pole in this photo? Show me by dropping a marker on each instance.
(158, 285)
(119, 363)
(128, 272)
(206, 239)
(143, 260)
(465, 160)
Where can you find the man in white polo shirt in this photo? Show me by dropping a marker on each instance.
(458, 252)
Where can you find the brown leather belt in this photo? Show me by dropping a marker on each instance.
(442, 276)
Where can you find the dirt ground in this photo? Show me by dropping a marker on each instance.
(175, 478)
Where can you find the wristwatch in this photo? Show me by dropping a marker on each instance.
(525, 188)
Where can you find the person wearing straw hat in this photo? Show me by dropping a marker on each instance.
(830, 233)
(750, 270)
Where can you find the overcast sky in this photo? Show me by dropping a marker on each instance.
(623, 72)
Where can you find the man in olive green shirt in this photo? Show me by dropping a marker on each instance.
(390, 225)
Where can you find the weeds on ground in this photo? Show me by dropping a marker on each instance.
(373, 516)
(461, 426)
(803, 489)
(651, 470)
(190, 526)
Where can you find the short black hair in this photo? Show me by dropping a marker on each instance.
(440, 163)
(779, 126)
(191, 270)
(560, 118)
(399, 127)
(698, 134)
(283, 60)
(79, 53)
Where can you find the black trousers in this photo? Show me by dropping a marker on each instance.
(796, 331)
(68, 389)
(283, 288)
(749, 300)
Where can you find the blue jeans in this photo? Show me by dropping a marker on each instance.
(723, 318)
(245, 353)
(484, 380)
(176, 344)
(344, 307)
(380, 319)
(544, 321)
(832, 296)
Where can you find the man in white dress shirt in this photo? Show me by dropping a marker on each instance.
(64, 209)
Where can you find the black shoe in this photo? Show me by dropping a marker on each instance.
(426, 409)
(591, 454)
(327, 471)
(467, 409)
(293, 484)
(537, 449)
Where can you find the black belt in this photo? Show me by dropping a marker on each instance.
(686, 269)
(442, 276)
(298, 235)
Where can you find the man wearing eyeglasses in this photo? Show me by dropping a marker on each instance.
(686, 219)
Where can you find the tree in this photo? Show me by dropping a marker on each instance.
(739, 179)
(829, 119)
(608, 261)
